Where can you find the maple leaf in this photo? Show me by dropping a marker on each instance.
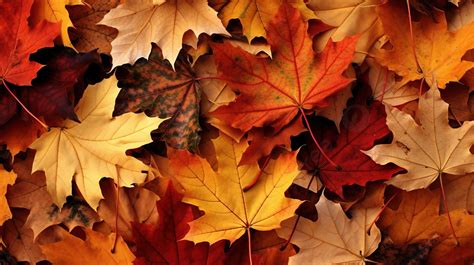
(361, 127)
(30, 129)
(229, 211)
(94, 148)
(55, 11)
(19, 40)
(96, 247)
(425, 150)
(272, 92)
(435, 60)
(6, 178)
(154, 87)
(29, 192)
(459, 192)
(142, 22)
(349, 18)
(87, 35)
(334, 238)
(256, 15)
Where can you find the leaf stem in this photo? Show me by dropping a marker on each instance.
(316, 141)
(117, 202)
(445, 202)
(381, 211)
(23, 106)
(250, 245)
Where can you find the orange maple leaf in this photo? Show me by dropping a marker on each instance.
(272, 92)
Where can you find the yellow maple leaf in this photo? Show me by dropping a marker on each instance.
(55, 11)
(94, 148)
(428, 149)
(334, 238)
(96, 248)
(439, 53)
(142, 22)
(229, 211)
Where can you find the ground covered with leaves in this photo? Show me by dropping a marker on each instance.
(236, 132)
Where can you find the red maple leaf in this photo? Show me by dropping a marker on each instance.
(19, 40)
(361, 126)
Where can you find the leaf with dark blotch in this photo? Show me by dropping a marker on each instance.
(154, 87)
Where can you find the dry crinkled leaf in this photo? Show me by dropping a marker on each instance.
(94, 148)
(438, 51)
(6, 178)
(349, 17)
(55, 11)
(142, 22)
(229, 211)
(428, 149)
(334, 238)
(97, 247)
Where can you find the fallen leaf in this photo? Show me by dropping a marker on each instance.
(287, 84)
(65, 153)
(96, 247)
(19, 40)
(334, 238)
(425, 150)
(54, 11)
(361, 127)
(227, 215)
(435, 60)
(142, 22)
(29, 192)
(155, 87)
(459, 192)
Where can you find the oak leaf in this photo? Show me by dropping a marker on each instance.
(425, 150)
(162, 22)
(55, 11)
(229, 211)
(272, 92)
(94, 148)
(19, 40)
(334, 238)
(96, 247)
(435, 60)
